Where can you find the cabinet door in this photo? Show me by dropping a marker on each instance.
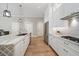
(23, 46)
(66, 52)
(71, 48)
(50, 39)
(74, 49)
(18, 48)
(59, 46)
(58, 13)
(62, 50)
(27, 41)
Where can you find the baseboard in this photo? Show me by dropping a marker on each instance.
(36, 36)
(53, 50)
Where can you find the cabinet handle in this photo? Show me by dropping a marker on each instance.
(65, 50)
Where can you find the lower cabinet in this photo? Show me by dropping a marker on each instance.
(21, 47)
(63, 47)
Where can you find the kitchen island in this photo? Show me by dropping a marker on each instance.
(14, 45)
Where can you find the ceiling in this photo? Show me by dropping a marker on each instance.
(34, 10)
(27, 9)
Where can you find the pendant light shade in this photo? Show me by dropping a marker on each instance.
(6, 12)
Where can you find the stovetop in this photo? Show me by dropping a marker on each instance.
(74, 39)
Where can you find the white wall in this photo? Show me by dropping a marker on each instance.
(74, 27)
(5, 23)
(12, 24)
(34, 25)
(40, 28)
(15, 28)
(13, 7)
(8, 24)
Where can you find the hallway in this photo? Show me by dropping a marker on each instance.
(39, 48)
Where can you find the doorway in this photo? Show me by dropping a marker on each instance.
(40, 29)
(29, 28)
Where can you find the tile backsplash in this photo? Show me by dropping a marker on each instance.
(63, 30)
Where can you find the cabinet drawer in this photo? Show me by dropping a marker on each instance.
(63, 51)
(67, 52)
(72, 49)
(63, 47)
(71, 46)
(60, 49)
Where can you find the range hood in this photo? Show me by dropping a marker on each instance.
(70, 16)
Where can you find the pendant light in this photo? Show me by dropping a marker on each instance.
(20, 19)
(6, 12)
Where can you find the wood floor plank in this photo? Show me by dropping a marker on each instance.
(39, 48)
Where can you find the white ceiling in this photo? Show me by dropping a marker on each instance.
(36, 9)
(27, 9)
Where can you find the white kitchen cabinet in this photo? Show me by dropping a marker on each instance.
(72, 48)
(55, 21)
(18, 48)
(63, 47)
(58, 13)
(21, 46)
(50, 38)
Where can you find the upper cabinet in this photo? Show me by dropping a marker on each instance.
(57, 13)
